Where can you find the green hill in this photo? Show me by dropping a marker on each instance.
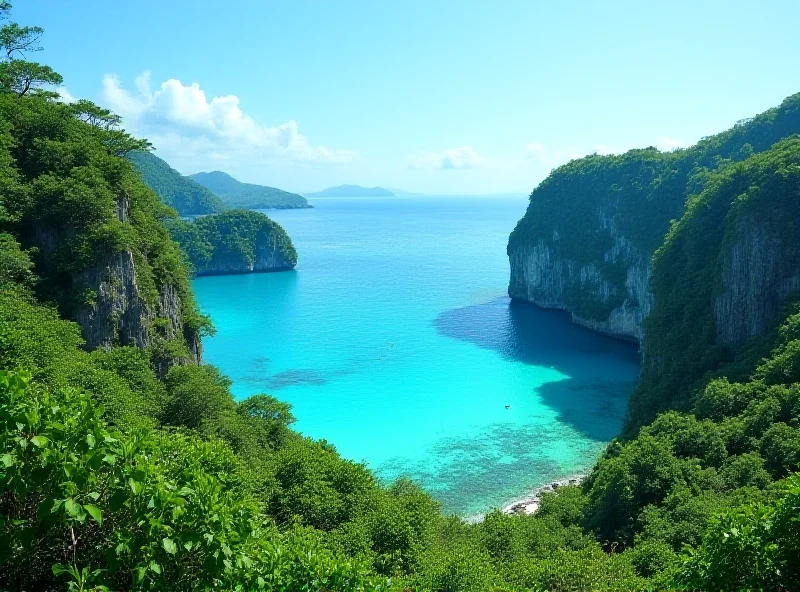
(177, 191)
(247, 195)
(236, 241)
(586, 241)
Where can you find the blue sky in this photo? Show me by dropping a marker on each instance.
(431, 96)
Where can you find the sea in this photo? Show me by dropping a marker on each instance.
(394, 340)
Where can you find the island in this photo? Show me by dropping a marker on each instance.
(236, 194)
(236, 241)
(352, 191)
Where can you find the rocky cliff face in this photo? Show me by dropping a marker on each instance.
(268, 256)
(117, 313)
(757, 275)
(540, 275)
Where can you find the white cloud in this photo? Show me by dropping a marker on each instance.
(464, 157)
(668, 144)
(64, 95)
(180, 118)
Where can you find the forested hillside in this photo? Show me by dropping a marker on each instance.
(586, 240)
(247, 195)
(183, 194)
(238, 241)
(126, 464)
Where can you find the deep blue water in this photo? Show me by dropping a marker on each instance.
(395, 341)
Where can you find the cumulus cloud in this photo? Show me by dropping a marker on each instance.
(64, 95)
(178, 115)
(464, 157)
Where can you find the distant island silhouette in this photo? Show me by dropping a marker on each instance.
(352, 191)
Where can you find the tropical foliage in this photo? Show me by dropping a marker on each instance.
(119, 471)
(583, 205)
(216, 242)
(181, 193)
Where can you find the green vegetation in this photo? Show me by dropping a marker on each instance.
(352, 191)
(235, 241)
(121, 469)
(757, 197)
(583, 204)
(186, 196)
(247, 195)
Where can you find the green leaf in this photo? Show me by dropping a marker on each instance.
(94, 512)
(59, 569)
(8, 459)
(90, 440)
(110, 459)
(71, 507)
(39, 441)
(136, 486)
(155, 567)
(169, 545)
(94, 495)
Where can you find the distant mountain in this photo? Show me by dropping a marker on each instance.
(183, 194)
(352, 191)
(246, 195)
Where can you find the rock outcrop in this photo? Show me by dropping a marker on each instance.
(541, 276)
(269, 255)
(759, 270)
(237, 241)
(593, 225)
(114, 310)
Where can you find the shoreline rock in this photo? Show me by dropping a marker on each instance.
(531, 502)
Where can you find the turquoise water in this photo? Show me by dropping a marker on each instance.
(394, 340)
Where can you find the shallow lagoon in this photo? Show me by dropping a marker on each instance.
(394, 341)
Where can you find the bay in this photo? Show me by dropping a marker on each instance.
(395, 341)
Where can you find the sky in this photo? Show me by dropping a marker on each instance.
(430, 96)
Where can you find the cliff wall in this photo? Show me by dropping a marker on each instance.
(593, 225)
(268, 255)
(113, 308)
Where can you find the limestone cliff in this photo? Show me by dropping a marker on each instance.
(112, 308)
(238, 241)
(759, 270)
(268, 255)
(540, 275)
(721, 281)
(593, 225)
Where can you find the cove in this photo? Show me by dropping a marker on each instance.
(394, 341)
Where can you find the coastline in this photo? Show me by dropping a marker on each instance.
(530, 503)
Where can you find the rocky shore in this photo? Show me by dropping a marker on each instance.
(531, 502)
